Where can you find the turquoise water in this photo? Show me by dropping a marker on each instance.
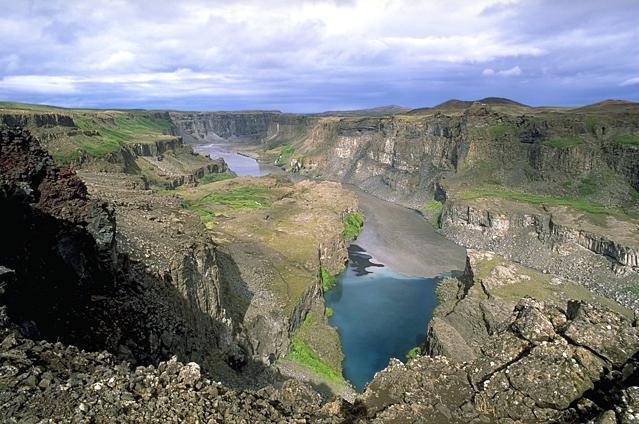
(379, 315)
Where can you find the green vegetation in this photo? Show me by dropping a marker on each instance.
(632, 289)
(591, 124)
(588, 186)
(212, 178)
(328, 280)
(627, 139)
(286, 151)
(245, 197)
(501, 130)
(353, 222)
(328, 312)
(413, 353)
(316, 346)
(435, 209)
(578, 204)
(562, 143)
(102, 133)
(303, 354)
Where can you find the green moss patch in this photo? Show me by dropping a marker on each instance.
(578, 204)
(245, 197)
(627, 139)
(502, 130)
(562, 143)
(212, 178)
(302, 353)
(434, 209)
(286, 152)
(413, 353)
(316, 346)
(353, 222)
(328, 280)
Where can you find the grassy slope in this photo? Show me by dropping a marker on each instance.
(582, 205)
(309, 348)
(96, 132)
(539, 286)
(105, 132)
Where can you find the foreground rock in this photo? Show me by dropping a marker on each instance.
(52, 381)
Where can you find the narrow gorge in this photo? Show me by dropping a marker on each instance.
(144, 280)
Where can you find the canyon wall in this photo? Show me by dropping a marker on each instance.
(248, 127)
(79, 279)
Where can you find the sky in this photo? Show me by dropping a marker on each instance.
(312, 56)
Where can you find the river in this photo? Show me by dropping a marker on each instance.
(384, 299)
(243, 166)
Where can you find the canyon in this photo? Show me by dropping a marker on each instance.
(144, 280)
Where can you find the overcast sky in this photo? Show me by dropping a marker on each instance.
(309, 56)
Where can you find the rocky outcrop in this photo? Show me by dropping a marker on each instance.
(271, 257)
(511, 361)
(156, 148)
(553, 239)
(51, 381)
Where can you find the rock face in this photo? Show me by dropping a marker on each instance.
(554, 239)
(403, 158)
(78, 280)
(36, 119)
(250, 127)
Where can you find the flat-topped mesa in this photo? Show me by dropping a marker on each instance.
(131, 142)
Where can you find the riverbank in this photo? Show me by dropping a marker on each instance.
(402, 240)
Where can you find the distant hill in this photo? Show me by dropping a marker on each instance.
(376, 111)
(455, 105)
(611, 105)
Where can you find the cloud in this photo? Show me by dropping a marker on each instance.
(512, 72)
(630, 81)
(315, 55)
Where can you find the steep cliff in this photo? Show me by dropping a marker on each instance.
(598, 251)
(144, 290)
(402, 157)
(247, 127)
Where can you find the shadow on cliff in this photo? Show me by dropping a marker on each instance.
(65, 289)
(65, 281)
